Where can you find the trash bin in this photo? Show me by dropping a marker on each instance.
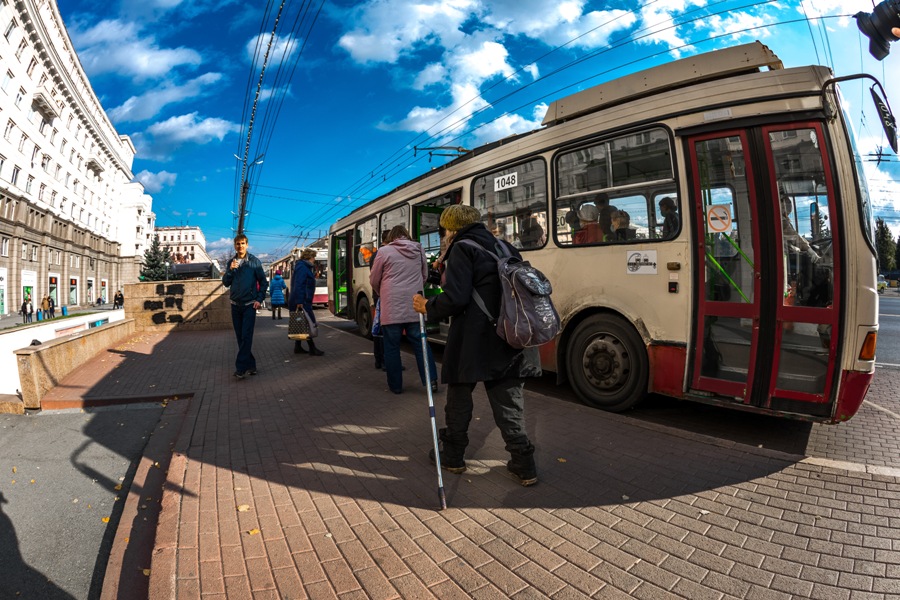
(40, 315)
(65, 311)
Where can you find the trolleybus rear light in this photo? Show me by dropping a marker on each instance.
(868, 347)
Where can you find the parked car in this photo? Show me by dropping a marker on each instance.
(881, 285)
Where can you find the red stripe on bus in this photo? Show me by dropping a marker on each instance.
(854, 385)
(667, 364)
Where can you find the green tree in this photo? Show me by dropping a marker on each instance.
(897, 254)
(885, 246)
(155, 259)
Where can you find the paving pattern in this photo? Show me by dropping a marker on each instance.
(311, 480)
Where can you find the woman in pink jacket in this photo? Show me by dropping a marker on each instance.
(398, 274)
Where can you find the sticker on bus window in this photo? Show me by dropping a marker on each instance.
(718, 218)
(504, 182)
(641, 263)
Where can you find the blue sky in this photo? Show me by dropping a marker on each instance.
(362, 83)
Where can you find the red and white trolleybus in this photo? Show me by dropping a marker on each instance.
(705, 225)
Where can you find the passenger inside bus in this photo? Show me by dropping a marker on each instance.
(589, 231)
(532, 235)
(621, 226)
(669, 212)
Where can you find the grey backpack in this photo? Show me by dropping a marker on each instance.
(527, 316)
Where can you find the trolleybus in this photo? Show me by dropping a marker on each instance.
(705, 224)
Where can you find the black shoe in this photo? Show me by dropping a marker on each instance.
(378, 366)
(316, 352)
(298, 348)
(250, 372)
(521, 464)
(456, 466)
(240, 374)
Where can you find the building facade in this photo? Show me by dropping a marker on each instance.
(72, 223)
(186, 244)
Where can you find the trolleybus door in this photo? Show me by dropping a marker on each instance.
(807, 305)
(340, 272)
(766, 312)
(727, 251)
(426, 219)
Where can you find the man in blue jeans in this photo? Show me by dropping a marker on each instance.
(247, 282)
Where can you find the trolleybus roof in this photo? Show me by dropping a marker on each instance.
(719, 64)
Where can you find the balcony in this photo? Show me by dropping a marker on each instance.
(94, 165)
(45, 103)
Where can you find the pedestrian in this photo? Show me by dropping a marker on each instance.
(52, 307)
(397, 274)
(23, 310)
(277, 291)
(247, 285)
(118, 300)
(303, 287)
(29, 310)
(474, 352)
(45, 307)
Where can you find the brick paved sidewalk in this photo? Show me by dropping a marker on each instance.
(339, 499)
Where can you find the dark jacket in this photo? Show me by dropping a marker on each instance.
(474, 351)
(303, 285)
(248, 282)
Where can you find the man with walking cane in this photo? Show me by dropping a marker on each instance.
(474, 352)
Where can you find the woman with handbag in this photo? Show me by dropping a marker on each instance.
(303, 286)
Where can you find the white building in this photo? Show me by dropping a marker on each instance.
(186, 244)
(72, 226)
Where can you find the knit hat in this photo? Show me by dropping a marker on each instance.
(278, 272)
(457, 216)
(588, 212)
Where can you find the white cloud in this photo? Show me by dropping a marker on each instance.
(431, 74)
(658, 20)
(155, 182)
(508, 125)
(281, 51)
(114, 46)
(738, 24)
(442, 121)
(564, 23)
(220, 245)
(480, 64)
(150, 103)
(160, 139)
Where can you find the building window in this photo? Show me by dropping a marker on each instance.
(45, 162)
(4, 247)
(15, 175)
(22, 45)
(22, 141)
(53, 136)
(53, 199)
(2, 162)
(28, 183)
(31, 66)
(43, 126)
(9, 128)
(6, 79)
(19, 96)
(34, 250)
(41, 191)
(24, 251)
(9, 29)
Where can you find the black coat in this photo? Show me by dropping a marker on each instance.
(474, 351)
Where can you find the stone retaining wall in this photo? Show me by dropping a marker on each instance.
(195, 305)
(42, 367)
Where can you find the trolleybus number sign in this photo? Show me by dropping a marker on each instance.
(718, 218)
(506, 181)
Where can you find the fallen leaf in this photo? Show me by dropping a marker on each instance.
(561, 460)
(105, 519)
(704, 512)
(14, 470)
(32, 481)
(126, 540)
(253, 531)
(624, 497)
(118, 487)
(13, 480)
(328, 535)
(243, 508)
(147, 572)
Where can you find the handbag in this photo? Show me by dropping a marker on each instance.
(301, 326)
(376, 322)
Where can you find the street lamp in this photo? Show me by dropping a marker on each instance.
(167, 270)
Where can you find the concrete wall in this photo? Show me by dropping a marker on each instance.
(178, 305)
(42, 367)
(43, 331)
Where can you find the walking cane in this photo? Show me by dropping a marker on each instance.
(437, 453)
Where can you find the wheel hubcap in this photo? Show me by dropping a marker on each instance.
(606, 363)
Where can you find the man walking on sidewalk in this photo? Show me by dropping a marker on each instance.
(247, 282)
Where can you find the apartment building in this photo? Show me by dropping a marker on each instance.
(73, 224)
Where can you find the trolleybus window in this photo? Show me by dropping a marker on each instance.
(394, 217)
(513, 203)
(630, 169)
(364, 240)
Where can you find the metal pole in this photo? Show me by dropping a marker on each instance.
(437, 453)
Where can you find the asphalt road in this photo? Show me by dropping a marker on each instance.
(58, 474)
(888, 351)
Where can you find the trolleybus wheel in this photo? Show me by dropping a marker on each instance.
(364, 318)
(607, 363)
